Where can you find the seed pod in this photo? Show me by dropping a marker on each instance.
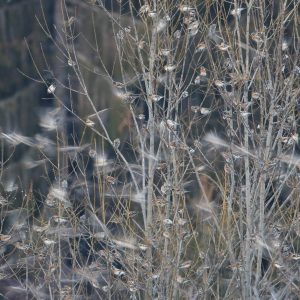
(51, 89)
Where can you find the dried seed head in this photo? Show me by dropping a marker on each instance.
(205, 111)
(193, 28)
(132, 287)
(126, 97)
(185, 94)
(70, 21)
(257, 37)
(111, 180)
(165, 188)
(285, 45)
(142, 45)
(177, 34)
(51, 89)
(165, 52)
(172, 125)
(166, 235)
(22, 246)
(71, 63)
(185, 265)
(116, 143)
(236, 12)
(155, 98)
(193, 25)
(203, 72)
(169, 68)
(118, 272)
(195, 109)
(118, 85)
(105, 288)
(143, 247)
(141, 117)
(180, 279)
(144, 9)
(3, 201)
(191, 150)
(58, 194)
(295, 256)
(297, 71)
(40, 228)
(223, 46)
(256, 96)
(48, 242)
(188, 19)
(5, 237)
(127, 29)
(161, 25)
(219, 83)
(197, 79)
(181, 221)
(200, 47)
(59, 220)
(152, 14)
(245, 114)
(186, 8)
(168, 222)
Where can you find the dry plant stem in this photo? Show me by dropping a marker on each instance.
(151, 162)
(248, 199)
(178, 253)
(106, 135)
(62, 159)
(234, 226)
(166, 251)
(231, 185)
(90, 101)
(172, 178)
(142, 140)
(266, 160)
(144, 171)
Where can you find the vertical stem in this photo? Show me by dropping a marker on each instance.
(248, 199)
(151, 163)
(62, 138)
